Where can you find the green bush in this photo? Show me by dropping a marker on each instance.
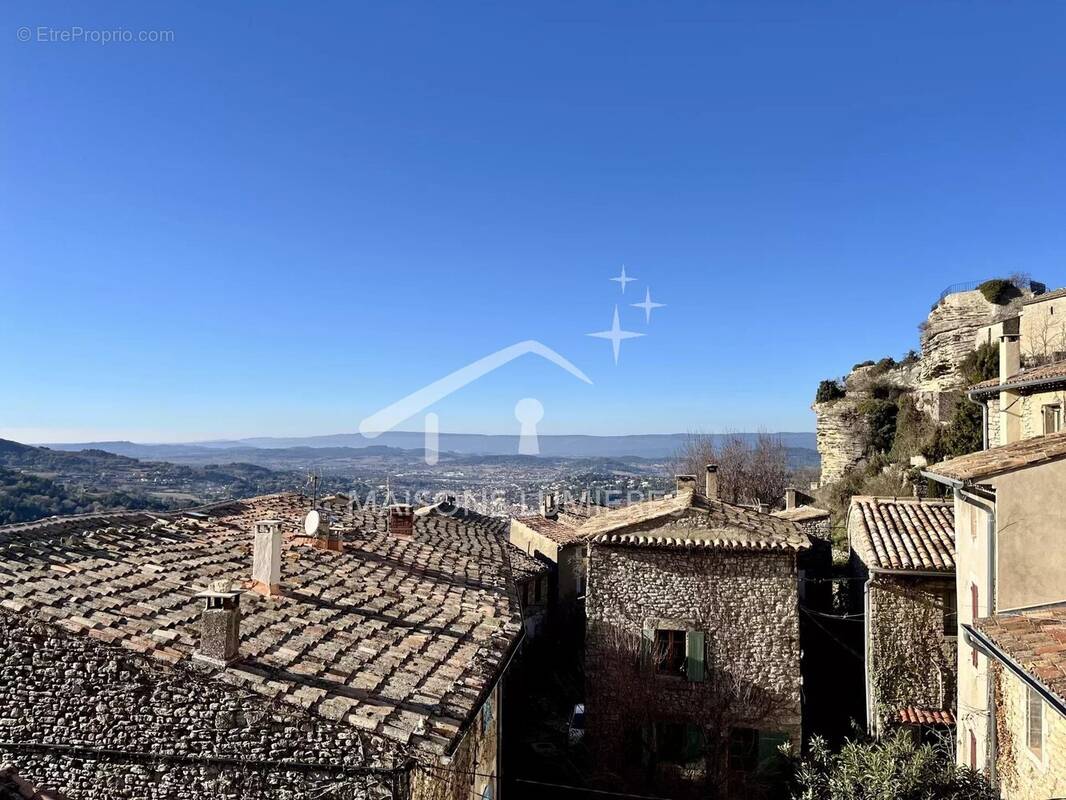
(880, 416)
(894, 768)
(828, 391)
(981, 364)
(862, 364)
(999, 291)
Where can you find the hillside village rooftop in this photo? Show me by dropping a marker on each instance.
(998, 460)
(399, 638)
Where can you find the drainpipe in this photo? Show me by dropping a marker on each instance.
(866, 652)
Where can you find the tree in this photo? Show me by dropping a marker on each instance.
(755, 473)
(893, 768)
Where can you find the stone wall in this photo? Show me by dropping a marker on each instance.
(841, 435)
(72, 711)
(745, 603)
(911, 661)
(1023, 775)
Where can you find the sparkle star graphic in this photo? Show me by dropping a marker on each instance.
(615, 335)
(622, 279)
(648, 305)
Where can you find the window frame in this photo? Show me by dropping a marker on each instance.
(675, 648)
(950, 611)
(1040, 751)
(1054, 412)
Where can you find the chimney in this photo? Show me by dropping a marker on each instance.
(710, 488)
(220, 624)
(790, 498)
(1010, 355)
(1010, 421)
(548, 504)
(266, 557)
(686, 483)
(401, 521)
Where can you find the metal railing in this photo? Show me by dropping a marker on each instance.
(968, 286)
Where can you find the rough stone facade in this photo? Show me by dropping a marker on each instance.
(1024, 775)
(911, 662)
(745, 603)
(72, 709)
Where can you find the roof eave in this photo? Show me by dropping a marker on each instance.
(992, 650)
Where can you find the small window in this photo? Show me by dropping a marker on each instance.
(1034, 731)
(1052, 418)
(677, 743)
(487, 793)
(670, 652)
(537, 590)
(951, 614)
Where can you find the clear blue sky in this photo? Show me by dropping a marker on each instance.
(291, 215)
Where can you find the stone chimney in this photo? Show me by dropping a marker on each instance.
(790, 498)
(266, 557)
(710, 487)
(220, 625)
(686, 483)
(1010, 418)
(549, 504)
(401, 521)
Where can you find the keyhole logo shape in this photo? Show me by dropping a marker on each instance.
(529, 412)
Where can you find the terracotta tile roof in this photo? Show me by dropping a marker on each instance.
(1053, 295)
(925, 716)
(701, 523)
(997, 460)
(802, 514)
(399, 638)
(558, 530)
(1035, 640)
(903, 533)
(1046, 374)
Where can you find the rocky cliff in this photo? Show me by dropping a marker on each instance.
(932, 377)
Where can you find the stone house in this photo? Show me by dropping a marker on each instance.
(902, 553)
(692, 648)
(554, 537)
(229, 653)
(1010, 570)
(800, 508)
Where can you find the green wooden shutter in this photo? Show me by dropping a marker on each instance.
(694, 744)
(694, 655)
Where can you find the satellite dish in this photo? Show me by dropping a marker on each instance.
(312, 522)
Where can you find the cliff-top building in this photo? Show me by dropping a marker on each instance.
(224, 653)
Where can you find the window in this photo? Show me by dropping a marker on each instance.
(973, 749)
(670, 652)
(487, 793)
(951, 614)
(1052, 418)
(537, 590)
(1034, 729)
(678, 743)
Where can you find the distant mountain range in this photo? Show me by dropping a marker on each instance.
(655, 445)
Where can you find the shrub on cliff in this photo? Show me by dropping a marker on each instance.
(999, 291)
(981, 364)
(828, 391)
(880, 415)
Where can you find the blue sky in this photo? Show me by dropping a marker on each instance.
(289, 216)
